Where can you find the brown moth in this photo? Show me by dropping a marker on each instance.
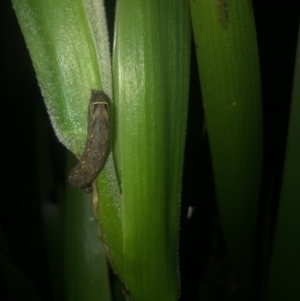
(96, 146)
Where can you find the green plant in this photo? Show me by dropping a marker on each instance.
(136, 198)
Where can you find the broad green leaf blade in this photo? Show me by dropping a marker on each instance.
(285, 265)
(70, 54)
(230, 81)
(151, 69)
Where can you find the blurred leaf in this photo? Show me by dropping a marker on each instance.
(226, 49)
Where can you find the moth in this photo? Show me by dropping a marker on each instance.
(96, 146)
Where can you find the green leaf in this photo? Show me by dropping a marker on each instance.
(68, 44)
(70, 54)
(151, 67)
(228, 64)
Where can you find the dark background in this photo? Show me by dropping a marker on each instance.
(20, 204)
